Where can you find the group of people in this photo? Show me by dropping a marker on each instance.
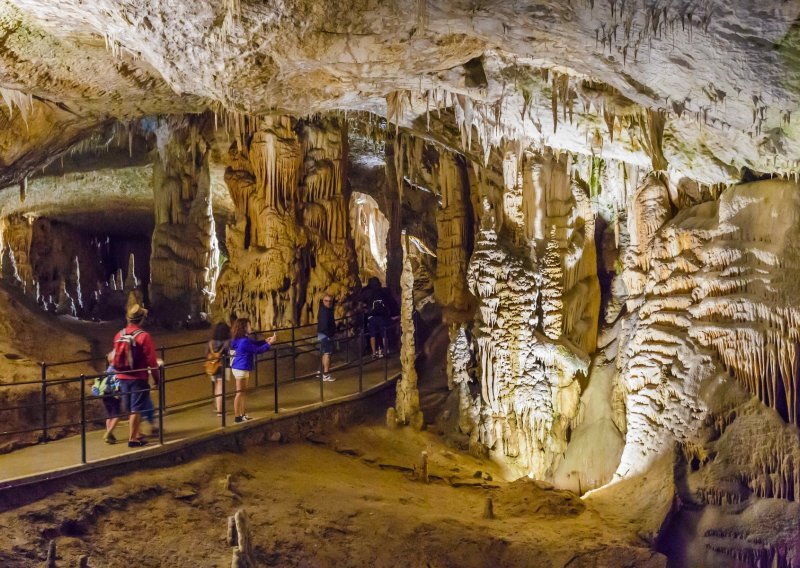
(133, 359)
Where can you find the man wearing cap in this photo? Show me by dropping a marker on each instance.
(133, 380)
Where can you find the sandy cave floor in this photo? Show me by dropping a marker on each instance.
(343, 502)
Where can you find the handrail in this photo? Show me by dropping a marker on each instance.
(297, 346)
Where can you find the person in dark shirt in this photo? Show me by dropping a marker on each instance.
(380, 311)
(326, 330)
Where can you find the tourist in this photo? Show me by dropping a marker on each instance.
(107, 386)
(326, 329)
(243, 351)
(380, 309)
(135, 358)
(215, 348)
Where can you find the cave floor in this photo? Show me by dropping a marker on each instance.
(350, 501)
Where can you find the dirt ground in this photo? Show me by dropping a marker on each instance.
(350, 500)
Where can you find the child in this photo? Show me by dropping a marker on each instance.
(108, 387)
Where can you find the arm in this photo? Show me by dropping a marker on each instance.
(257, 347)
(150, 356)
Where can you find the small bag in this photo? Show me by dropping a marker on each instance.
(106, 386)
(213, 362)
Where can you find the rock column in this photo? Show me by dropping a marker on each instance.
(183, 262)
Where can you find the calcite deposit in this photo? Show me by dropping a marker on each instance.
(595, 202)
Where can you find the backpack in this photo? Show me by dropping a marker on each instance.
(379, 308)
(107, 385)
(213, 361)
(124, 351)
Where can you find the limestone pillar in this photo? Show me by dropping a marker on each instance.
(407, 405)
(183, 262)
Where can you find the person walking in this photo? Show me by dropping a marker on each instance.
(107, 387)
(135, 357)
(216, 347)
(243, 351)
(380, 309)
(326, 329)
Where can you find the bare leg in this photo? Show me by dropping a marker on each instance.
(218, 394)
(111, 423)
(326, 363)
(372, 343)
(239, 399)
(133, 426)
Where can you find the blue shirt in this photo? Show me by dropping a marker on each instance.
(242, 351)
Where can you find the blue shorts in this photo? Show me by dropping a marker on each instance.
(136, 394)
(325, 343)
(376, 325)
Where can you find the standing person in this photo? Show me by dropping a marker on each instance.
(134, 358)
(326, 329)
(107, 386)
(380, 306)
(242, 353)
(215, 349)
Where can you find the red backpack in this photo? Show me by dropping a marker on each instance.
(125, 350)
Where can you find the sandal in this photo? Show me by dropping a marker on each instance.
(137, 443)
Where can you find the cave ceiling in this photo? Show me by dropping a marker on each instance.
(579, 76)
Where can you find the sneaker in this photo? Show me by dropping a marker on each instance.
(328, 378)
(379, 354)
(243, 418)
(109, 438)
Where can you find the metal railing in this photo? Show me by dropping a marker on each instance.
(351, 342)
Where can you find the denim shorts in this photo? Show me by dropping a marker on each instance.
(325, 343)
(136, 394)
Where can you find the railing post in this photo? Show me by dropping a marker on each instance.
(44, 401)
(360, 360)
(255, 369)
(385, 353)
(275, 377)
(321, 374)
(162, 386)
(294, 356)
(224, 380)
(162, 390)
(83, 418)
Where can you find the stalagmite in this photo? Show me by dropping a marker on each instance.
(407, 403)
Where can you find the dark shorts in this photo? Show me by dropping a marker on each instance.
(376, 325)
(136, 394)
(325, 343)
(113, 405)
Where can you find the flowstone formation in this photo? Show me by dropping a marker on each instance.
(713, 330)
(534, 274)
(291, 240)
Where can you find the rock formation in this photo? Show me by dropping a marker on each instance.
(291, 240)
(183, 263)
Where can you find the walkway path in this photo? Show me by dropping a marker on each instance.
(186, 417)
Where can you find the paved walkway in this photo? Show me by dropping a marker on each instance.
(186, 417)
